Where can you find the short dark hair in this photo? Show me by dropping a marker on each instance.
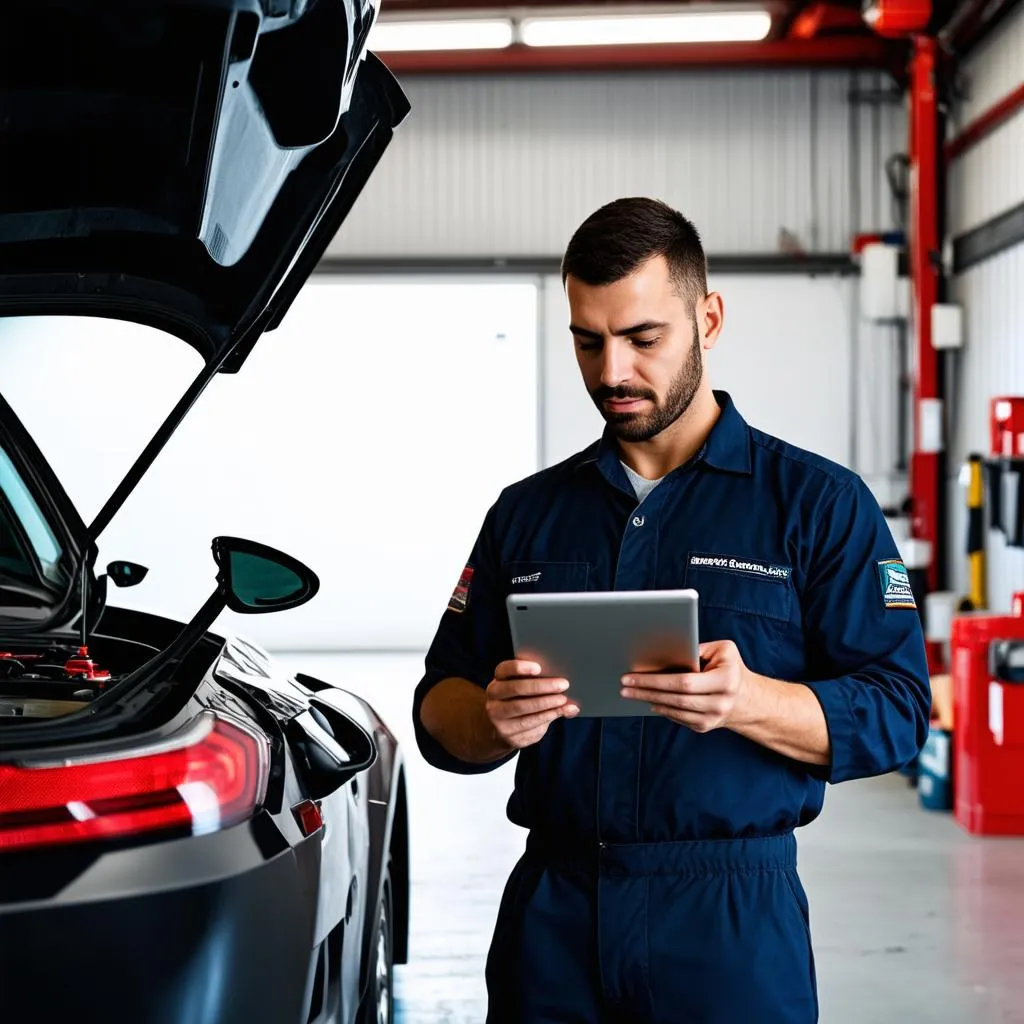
(617, 239)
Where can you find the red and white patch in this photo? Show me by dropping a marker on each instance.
(460, 596)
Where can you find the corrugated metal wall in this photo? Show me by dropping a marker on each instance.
(987, 181)
(989, 178)
(992, 363)
(508, 166)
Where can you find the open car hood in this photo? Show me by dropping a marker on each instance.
(181, 164)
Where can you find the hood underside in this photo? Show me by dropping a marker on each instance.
(177, 163)
(182, 164)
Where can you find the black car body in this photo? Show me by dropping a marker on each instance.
(189, 833)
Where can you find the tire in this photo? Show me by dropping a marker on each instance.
(380, 997)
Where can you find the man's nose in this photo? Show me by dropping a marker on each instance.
(616, 365)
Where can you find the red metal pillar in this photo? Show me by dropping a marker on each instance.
(925, 269)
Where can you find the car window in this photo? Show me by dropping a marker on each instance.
(20, 504)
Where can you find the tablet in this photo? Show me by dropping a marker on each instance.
(595, 638)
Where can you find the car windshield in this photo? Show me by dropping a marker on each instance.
(27, 544)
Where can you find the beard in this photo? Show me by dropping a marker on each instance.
(637, 427)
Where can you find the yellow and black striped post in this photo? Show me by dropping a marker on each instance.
(975, 531)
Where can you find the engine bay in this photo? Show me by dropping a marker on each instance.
(56, 676)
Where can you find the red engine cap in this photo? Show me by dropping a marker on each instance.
(86, 667)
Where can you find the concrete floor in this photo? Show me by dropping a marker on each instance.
(914, 922)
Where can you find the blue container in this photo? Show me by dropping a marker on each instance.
(935, 771)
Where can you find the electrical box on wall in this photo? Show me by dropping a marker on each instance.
(947, 326)
(916, 553)
(882, 295)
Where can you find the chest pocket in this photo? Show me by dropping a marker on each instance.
(545, 577)
(752, 611)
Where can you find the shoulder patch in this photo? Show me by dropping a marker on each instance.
(895, 583)
(460, 595)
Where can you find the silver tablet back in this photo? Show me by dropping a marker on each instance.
(594, 638)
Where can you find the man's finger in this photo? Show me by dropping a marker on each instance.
(516, 728)
(523, 706)
(697, 704)
(514, 689)
(528, 739)
(713, 647)
(528, 723)
(515, 668)
(711, 681)
(662, 697)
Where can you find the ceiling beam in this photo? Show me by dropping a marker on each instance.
(971, 23)
(521, 8)
(838, 264)
(839, 52)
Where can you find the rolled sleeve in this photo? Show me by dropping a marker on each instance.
(472, 639)
(865, 650)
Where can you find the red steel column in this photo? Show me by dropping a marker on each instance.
(924, 248)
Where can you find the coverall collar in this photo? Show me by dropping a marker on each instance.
(728, 444)
(726, 448)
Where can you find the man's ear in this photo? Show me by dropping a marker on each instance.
(710, 314)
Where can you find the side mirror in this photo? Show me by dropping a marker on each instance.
(254, 578)
(251, 578)
(126, 574)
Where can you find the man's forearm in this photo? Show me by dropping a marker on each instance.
(453, 712)
(786, 718)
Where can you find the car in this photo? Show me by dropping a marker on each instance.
(189, 831)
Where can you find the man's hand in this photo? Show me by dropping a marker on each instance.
(710, 699)
(785, 717)
(521, 703)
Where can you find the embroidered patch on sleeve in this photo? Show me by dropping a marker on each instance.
(460, 596)
(895, 583)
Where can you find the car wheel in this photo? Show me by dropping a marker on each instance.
(380, 999)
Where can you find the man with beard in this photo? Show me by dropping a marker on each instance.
(659, 880)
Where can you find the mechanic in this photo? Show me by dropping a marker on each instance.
(659, 878)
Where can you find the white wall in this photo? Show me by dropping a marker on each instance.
(490, 166)
(986, 181)
(783, 355)
(366, 436)
(992, 363)
(509, 166)
(989, 178)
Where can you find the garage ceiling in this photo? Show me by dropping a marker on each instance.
(803, 33)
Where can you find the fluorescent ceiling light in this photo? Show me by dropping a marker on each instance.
(457, 34)
(628, 30)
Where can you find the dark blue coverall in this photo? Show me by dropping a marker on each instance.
(659, 880)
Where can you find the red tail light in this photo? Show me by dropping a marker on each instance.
(212, 777)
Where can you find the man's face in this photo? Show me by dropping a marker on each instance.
(640, 349)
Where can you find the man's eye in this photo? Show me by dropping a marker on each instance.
(588, 346)
(645, 343)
